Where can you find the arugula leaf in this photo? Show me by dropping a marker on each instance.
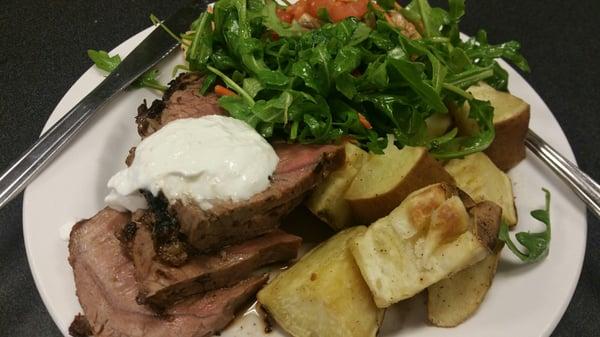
(456, 10)
(410, 72)
(149, 80)
(109, 63)
(275, 109)
(483, 113)
(346, 85)
(537, 244)
(104, 61)
(199, 53)
(252, 86)
(433, 19)
(208, 83)
(238, 108)
(347, 59)
(311, 86)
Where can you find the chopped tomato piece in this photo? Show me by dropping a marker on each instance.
(338, 10)
(284, 15)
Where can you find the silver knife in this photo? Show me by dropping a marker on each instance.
(148, 53)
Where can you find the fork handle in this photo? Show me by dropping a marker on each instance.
(583, 185)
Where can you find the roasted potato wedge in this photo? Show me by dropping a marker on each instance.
(324, 293)
(385, 180)
(327, 200)
(435, 232)
(477, 175)
(511, 120)
(454, 299)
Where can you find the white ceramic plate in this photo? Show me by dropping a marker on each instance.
(525, 300)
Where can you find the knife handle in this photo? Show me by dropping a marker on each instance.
(34, 159)
(149, 52)
(583, 185)
(154, 48)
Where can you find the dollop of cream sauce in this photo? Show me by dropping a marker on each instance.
(199, 160)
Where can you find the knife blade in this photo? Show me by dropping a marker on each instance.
(147, 54)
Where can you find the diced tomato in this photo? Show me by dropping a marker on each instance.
(299, 9)
(338, 10)
(284, 15)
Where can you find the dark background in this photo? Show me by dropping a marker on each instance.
(42, 52)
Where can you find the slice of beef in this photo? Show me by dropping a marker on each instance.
(107, 290)
(300, 168)
(181, 100)
(162, 285)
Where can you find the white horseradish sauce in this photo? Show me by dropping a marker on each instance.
(196, 159)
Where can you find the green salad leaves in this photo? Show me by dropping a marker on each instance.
(108, 63)
(362, 79)
(537, 244)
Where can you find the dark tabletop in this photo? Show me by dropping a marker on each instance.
(42, 52)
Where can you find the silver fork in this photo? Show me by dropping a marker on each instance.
(585, 187)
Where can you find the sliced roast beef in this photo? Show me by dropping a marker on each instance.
(107, 290)
(162, 285)
(181, 100)
(301, 168)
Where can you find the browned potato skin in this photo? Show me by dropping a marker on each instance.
(455, 299)
(425, 171)
(486, 217)
(510, 134)
(478, 176)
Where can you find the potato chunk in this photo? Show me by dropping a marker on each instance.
(451, 301)
(435, 232)
(327, 200)
(477, 175)
(324, 294)
(385, 180)
(511, 121)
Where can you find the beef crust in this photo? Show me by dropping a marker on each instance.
(80, 327)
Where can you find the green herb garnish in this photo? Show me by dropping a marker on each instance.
(537, 244)
(108, 64)
(311, 86)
